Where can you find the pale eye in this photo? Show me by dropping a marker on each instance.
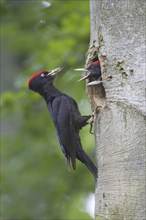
(42, 74)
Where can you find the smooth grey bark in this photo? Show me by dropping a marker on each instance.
(118, 39)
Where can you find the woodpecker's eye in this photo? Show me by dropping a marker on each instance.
(42, 74)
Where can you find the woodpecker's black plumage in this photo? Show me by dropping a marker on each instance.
(66, 117)
(94, 71)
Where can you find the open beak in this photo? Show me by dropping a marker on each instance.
(83, 78)
(55, 71)
(93, 83)
(83, 70)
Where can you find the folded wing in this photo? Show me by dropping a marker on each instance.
(62, 114)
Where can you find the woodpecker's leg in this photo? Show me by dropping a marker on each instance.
(84, 120)
(92, 121)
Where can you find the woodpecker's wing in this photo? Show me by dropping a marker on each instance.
(61, 111)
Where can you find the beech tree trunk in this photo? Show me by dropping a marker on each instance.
(118, 40)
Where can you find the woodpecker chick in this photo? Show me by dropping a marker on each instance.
(93, 73)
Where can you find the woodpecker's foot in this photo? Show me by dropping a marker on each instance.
(90, 122)
(92, 119)
(91, 126)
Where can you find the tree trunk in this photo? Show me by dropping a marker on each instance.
(117, 39)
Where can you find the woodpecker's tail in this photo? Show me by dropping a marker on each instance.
(83, 157)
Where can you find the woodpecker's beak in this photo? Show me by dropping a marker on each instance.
(93, 83)
(83, 70)
(55, 71)
(83, 78)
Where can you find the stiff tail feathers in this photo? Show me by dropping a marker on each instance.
(84, 158)
(73, 162)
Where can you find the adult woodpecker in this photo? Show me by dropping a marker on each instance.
(93, 73)
(66, 117)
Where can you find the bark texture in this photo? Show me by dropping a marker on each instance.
(118, 39)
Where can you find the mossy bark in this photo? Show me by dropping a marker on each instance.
(118, 39)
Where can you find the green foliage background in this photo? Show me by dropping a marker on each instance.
(36, 184)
